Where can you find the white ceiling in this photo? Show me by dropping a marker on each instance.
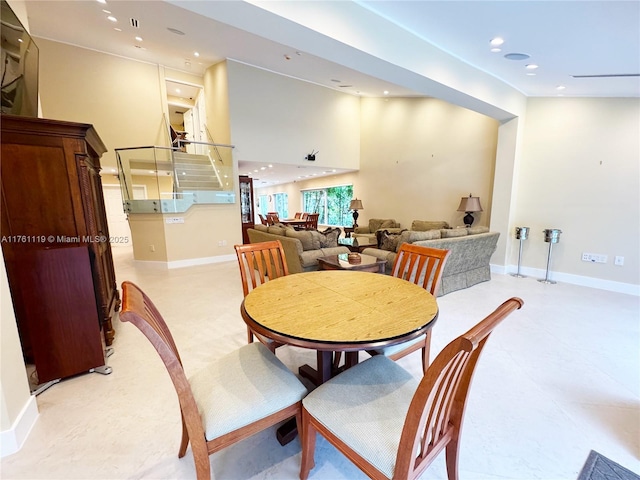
(564, 38)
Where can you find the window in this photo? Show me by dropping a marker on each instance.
(281, 204)
(264, 204)
(331, 203)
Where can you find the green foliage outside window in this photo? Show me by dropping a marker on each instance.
(331, 203)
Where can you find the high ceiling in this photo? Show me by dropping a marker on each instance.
(597, 40)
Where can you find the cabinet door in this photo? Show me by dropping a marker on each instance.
(246, 206)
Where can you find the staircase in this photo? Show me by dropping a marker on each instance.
(195, 172)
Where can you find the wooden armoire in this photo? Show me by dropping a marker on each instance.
(55, 243)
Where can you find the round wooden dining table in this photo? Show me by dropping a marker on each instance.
(339, 311)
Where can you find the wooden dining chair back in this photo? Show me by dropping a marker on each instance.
(273, 218)
(212, 415)
(311, 221)
(298, 215)
(259, 263)
(263, 220)
(422, 266)
(418, 418)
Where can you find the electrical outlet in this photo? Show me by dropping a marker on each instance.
(152, 248)
(594, 257)
(619, 261)
(174, 220)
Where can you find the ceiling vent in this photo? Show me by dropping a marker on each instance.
(134, 22)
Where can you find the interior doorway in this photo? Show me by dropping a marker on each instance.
(117, 219)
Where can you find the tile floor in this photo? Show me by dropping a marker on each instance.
(558, 378)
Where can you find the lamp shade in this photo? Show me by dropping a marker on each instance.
(356, 204)
(470, 204)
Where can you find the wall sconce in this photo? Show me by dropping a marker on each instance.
(355, 205)
(469, 205)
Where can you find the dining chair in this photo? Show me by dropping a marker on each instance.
(390, 424)
(298, 215)
(422, 266)
(230, 399)
(259, 263)
(311, 221)
(262, 219)
(273, 218)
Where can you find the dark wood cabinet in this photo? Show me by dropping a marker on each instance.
(246, 206)
(55, 243)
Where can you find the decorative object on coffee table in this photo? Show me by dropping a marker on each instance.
(355, 205)
(367, 263)
(354, 258)
(469, 205)
(551, 236)
(521, 234)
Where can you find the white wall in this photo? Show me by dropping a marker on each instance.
(580, 172)
(277, 119)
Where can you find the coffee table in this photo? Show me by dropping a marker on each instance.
(368, 263)
(357, 244)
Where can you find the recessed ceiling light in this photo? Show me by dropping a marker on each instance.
(531, 66)
(496, 50)
(196, 54)
(139, 39)
(496, 41)
(560, 87)
(516, 56)
(117, 29)
(531, 74)
(107, 12)
(175, 30)
(187, 63)
(102, 1)
(270, 166)
(386, 92)
(112, 19)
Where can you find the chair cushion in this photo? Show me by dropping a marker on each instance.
(242, 387)
(365, 406)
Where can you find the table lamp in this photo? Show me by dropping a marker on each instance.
(355, 205)
(469, 205)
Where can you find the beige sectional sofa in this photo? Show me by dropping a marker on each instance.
(375, 225)
(471, 250)
(302, 248)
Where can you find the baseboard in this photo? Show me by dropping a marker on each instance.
(192, 262)
(627, 288)
(12, 440)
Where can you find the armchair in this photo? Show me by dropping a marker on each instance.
(376, 224)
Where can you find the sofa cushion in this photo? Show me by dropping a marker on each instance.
(453, 232)
(424, 225)
(277, 229)
(476, 230)
(378, 223)
(306, 237)
(260, 227)
(410, 236)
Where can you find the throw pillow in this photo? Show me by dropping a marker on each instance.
(388, 241)
(424, 225)
(453, 232)
(330, 237)
(476, 230)
(306, 238)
